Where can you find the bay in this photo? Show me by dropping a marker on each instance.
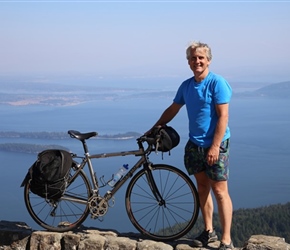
(259, 172)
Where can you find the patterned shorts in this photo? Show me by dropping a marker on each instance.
(195, 161)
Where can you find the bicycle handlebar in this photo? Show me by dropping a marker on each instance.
(152, 141)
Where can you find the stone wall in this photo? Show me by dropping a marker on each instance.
(19, 236)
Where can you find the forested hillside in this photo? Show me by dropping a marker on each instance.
(276, 90)
(273, 220)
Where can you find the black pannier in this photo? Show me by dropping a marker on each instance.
(49, 174)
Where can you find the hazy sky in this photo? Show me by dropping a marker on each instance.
(249, 39)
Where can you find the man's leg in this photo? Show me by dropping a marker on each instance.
(206, 206)
(195, 164)
(205, 199)
(225, 208)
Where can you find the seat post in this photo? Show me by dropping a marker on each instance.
(85, 146)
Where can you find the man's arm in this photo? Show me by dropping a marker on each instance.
(168, 115)
(223, 117)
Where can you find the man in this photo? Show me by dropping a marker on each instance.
(206, 97)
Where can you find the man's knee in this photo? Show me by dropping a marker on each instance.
(220, 189)
(202, 180)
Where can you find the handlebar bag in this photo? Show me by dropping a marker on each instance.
(168, 139)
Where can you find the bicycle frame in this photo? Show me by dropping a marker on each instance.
(144, 160)
(95, 183)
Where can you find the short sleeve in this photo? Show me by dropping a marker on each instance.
(222, 91)
(179, 97)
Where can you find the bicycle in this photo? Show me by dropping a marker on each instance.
(161, 201)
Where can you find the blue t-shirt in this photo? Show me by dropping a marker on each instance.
(200, 99)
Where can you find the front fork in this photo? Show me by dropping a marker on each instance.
(153, 186)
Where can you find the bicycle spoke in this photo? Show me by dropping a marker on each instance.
(173, 214)
(66, 213)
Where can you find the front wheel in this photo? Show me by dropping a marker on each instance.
(64, 214)
(173, 214)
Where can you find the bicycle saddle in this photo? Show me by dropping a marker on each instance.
(81, 136)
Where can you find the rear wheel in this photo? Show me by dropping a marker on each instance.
(64, 214)
(170, 217)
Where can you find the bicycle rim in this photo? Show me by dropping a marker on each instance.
(62, 215)
(175, 215)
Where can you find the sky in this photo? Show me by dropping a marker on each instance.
(249, 39)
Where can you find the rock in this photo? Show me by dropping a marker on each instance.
(70, 241)
(118, 243)
(19, 236)
(45, 240)
(262, 242)
(153, 245)
(92, 242)
(14, 234)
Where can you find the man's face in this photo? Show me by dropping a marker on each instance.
(198, 61)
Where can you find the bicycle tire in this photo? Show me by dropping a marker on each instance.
(62, 215)
(168, 221)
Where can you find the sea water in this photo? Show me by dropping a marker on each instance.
(259, 158)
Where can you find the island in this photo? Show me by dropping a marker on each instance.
(28, 148)
(36, 148)
(64, 135)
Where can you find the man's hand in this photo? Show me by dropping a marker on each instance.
(152, 130)
(213, 155)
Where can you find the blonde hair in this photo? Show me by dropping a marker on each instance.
(197, 46)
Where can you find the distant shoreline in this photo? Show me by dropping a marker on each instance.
(36, 148)
(28, 148)
(43, 95)
(64, 135)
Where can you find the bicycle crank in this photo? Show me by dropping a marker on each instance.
(98, 206)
